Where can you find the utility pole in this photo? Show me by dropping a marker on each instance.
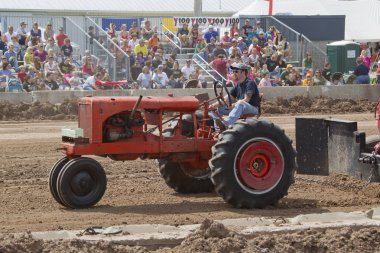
(197, 8)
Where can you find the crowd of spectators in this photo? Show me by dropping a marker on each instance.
(43, 60)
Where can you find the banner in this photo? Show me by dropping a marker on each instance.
(205, 21)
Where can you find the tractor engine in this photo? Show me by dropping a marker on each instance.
(122, 126)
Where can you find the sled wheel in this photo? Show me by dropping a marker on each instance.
(81, 183)
(53, 177)
(253, 164)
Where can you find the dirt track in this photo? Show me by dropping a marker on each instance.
(136, 194)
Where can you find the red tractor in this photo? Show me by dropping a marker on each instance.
(251, 164)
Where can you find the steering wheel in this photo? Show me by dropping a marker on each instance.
(219, 87)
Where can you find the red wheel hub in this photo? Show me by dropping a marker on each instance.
(259, 165)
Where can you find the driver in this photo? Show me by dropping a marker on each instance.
(245, 99)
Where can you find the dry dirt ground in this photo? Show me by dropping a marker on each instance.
(136, 194)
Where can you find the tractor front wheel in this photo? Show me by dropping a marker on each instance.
(81, 183)
(253, 164)
(53, 178)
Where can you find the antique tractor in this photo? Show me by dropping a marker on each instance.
(251, 164)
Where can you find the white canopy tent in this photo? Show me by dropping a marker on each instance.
(362, 16)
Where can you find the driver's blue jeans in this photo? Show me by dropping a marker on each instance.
(240, 108)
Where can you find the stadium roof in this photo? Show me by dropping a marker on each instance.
(136, 7)
(362, 16)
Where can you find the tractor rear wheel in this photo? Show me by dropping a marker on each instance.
(253, 164)
(53, 177)
(370, 142)
(81, 183)
(175, 176)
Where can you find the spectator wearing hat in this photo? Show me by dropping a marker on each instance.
(245, 96)
(241, 44)
(259, 29)
(11, 56)
(184, 30)
(160, 77)
(285, 74)
(147, 30)
(318, 78)
(60, 37)
(220, 64)
(51, 45)
(234, 47)
(226, 41)
(166, 69)
(246, 28)
(271, 33)
(272, 64)
(308, 81)
(22, 33)
(156, 61)
(210, 48)
(133, 41)
(261, 41)
(218, 50)
(211, 34)
(200, 49)
(187, 70)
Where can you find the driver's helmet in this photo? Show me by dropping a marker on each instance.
(240, 66)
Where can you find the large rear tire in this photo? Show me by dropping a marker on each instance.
(176, 178)
(81, 183)
(370, 142)
(253, 164)
(175, 175)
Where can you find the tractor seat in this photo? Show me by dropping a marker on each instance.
(250, 115)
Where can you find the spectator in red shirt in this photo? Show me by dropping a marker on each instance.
(60, 37)
(221, 65)
(21, 74)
